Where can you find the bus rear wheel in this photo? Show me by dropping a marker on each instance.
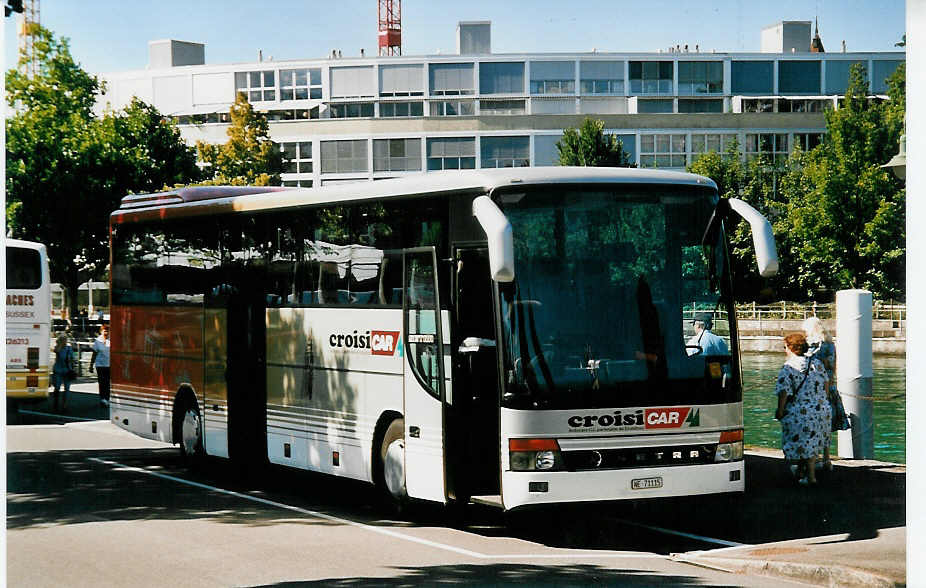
(392, 458)
(191, 431)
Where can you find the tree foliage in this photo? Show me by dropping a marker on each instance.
(67, 168)
(589, 146)
(838, 216)
(249, 158)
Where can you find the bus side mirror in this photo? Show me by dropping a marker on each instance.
(763, 240)
(501, 242)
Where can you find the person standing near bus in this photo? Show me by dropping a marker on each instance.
(61, 372)
(803, 409)
(100, 358)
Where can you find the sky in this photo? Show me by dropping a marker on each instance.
(113, 35)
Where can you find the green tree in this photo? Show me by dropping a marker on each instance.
(838, 217)
(67, 169)
(589, 146)
(249, 157)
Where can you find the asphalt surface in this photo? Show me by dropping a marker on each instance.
(105, 507)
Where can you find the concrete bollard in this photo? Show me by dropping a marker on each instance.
(854, 372)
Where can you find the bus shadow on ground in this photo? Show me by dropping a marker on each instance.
(70, 487)
(510, 574)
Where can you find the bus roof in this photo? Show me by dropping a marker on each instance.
(24, 244)
(194, 201)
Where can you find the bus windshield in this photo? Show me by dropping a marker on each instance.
(608, 285)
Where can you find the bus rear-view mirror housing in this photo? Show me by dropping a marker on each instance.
(498, 234)
(763, 240)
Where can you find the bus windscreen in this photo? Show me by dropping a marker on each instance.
(608, 284)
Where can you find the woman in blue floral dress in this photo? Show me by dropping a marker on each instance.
(803, 408)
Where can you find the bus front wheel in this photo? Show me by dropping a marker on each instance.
(392, 456)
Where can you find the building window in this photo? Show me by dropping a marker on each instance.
(301, 84)
(655, 106)
(453, 108)
(758, 105)
(553, 77)
(880, 71)
(807, 141)
(400, 109)
(601, 77)
(297, 183)
(751, 77)
(292, 114)
(451, 153)
(352, 82)
(663, 150)
(396, 155)
(505, 151)
(501, 107)
(545, 151)
(297, 157)
(501, 78)
(716, 142)
(350, 110)
(401, 80)
(258, 86)
(451, 79)
(700, 77)
(775, 145)
(837, 74)
(811, 105)
(694, 106)
(344, 156)
(651, 77)
(798, 77)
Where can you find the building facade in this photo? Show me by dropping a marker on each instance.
(342, 119)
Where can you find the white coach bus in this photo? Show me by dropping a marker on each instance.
(510, 337)
(28, 321)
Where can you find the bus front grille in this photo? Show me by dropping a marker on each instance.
(639, 457)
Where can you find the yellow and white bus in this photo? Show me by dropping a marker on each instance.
(509, 337)
(28, 321)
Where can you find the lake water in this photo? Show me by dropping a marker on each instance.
(890, 403)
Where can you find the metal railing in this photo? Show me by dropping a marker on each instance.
(882, 310)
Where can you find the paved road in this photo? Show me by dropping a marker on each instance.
(102, 506)
(89, 504)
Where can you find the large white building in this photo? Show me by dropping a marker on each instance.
(359, 118)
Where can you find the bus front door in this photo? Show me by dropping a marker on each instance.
(425, 390)
(473, 444)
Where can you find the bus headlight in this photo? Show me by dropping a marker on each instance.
(730, 447)
(534, 454)
(729, 451)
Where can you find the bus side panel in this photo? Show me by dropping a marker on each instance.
(331, 373)
(655, 430)
(155, 351)
(215, 389)
(22, 381)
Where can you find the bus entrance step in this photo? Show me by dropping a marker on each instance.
(490, 500)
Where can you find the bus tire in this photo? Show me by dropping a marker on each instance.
(189, 429)
(392, 458)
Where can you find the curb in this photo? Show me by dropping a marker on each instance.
(822, 575)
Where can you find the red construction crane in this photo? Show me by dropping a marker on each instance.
(390, 27)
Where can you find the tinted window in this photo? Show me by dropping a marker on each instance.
(751, 77)
(23, 269)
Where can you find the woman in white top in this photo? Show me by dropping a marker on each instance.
(100, 358)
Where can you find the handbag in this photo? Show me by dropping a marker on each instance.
(840, 418)
(72, 373)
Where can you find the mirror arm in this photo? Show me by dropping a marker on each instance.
(763, 239)
(500, 240)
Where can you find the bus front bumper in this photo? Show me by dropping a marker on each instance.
(537, 487)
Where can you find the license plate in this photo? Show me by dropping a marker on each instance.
(646, 483)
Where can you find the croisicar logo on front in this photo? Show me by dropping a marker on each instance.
(373, 342)
(630, 419)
